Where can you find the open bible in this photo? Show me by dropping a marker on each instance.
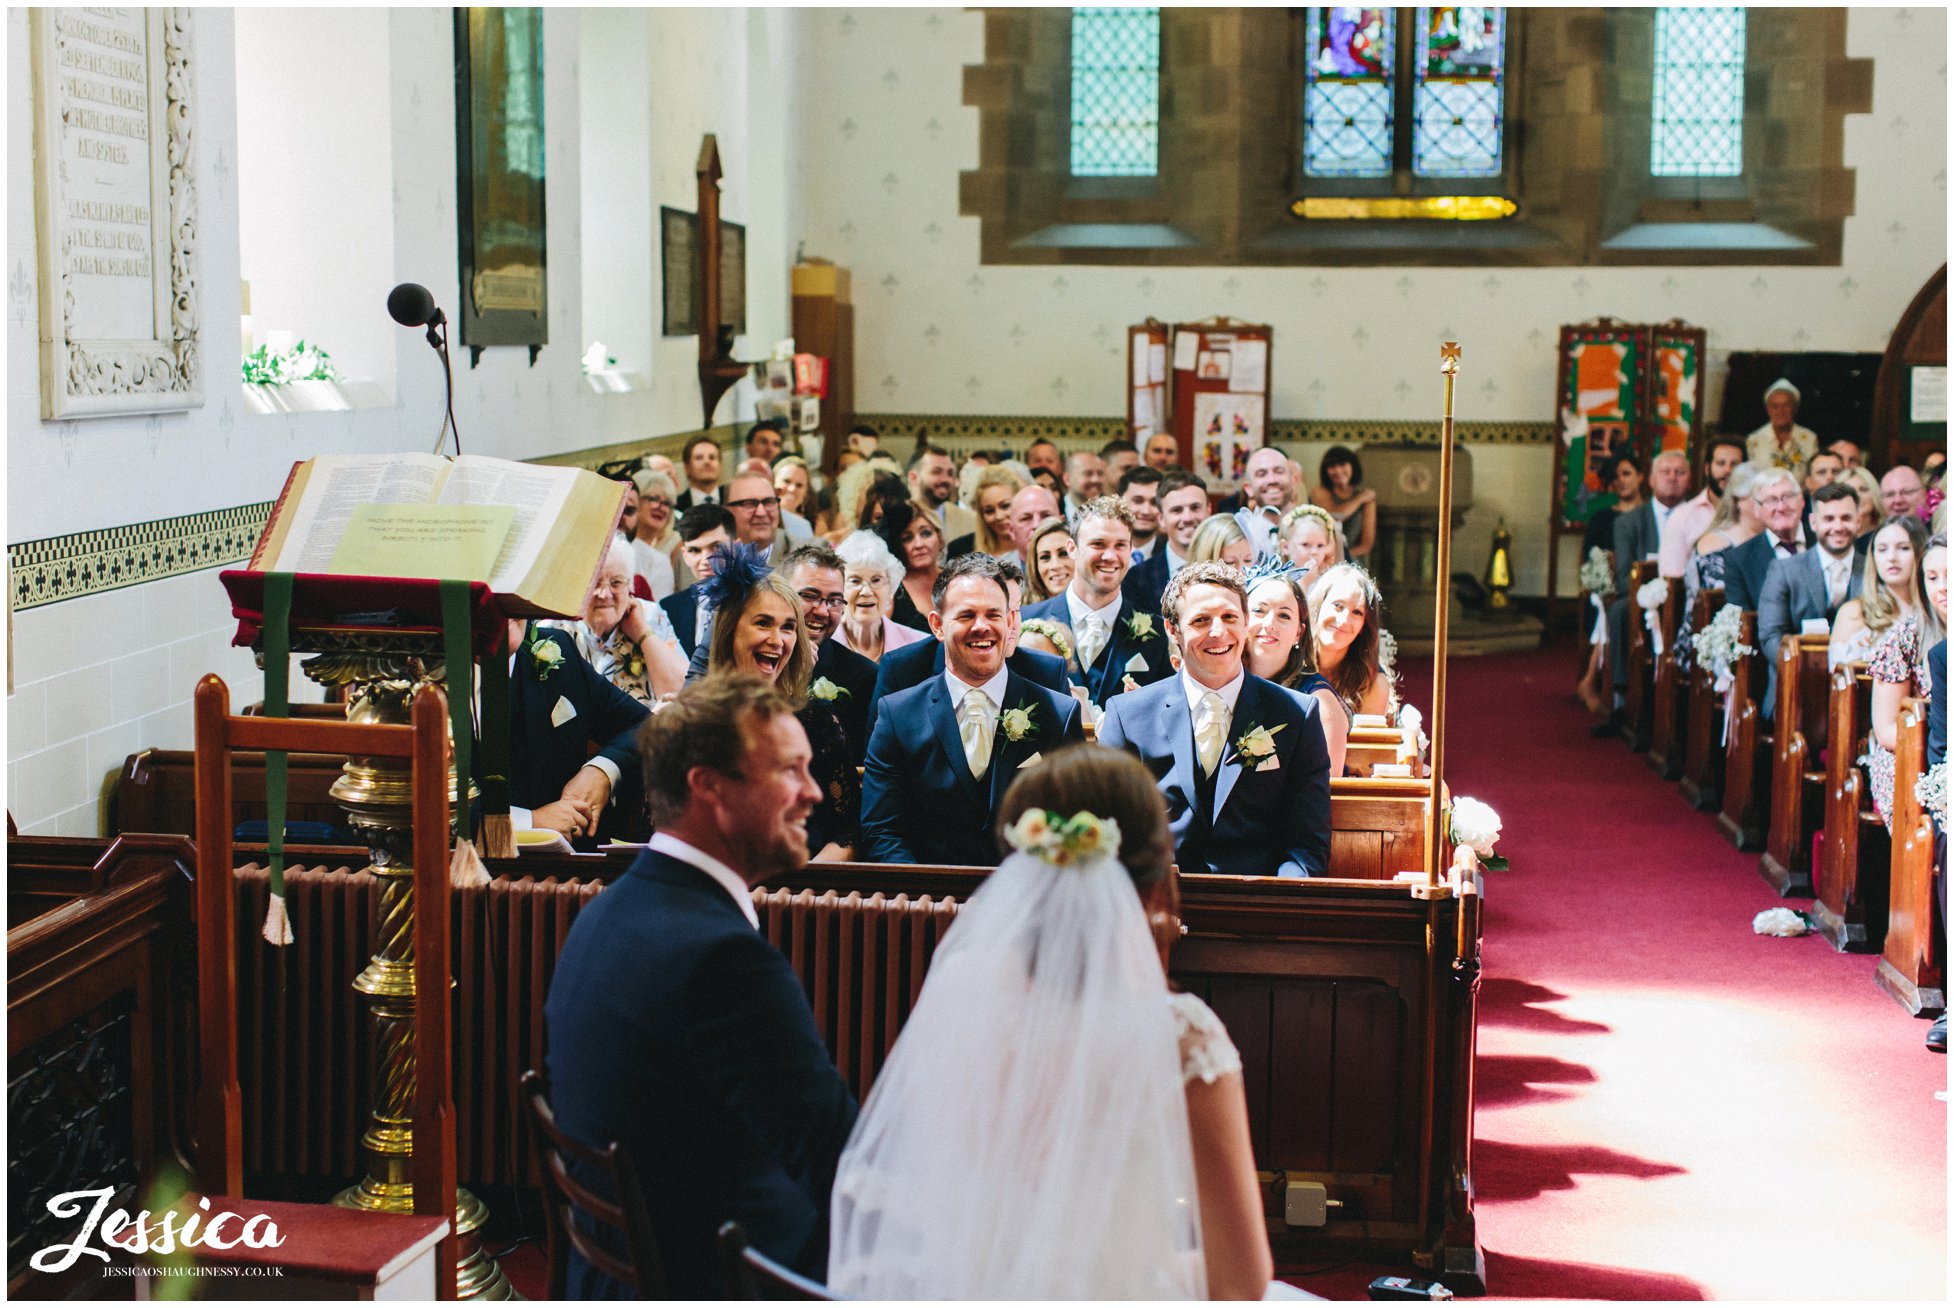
(561, 519)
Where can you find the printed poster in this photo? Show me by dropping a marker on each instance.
(1251, 367)
(1228, 427)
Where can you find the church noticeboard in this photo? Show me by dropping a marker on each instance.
(116, 210)
(499, 155)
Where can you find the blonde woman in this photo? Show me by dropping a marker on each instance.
(989, 497)
(1871, 511)
(851, 489)
(1734, 522)
(1221, 539)
(1887, 595)
(1898, 665)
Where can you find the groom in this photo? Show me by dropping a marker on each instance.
(676, 1029)
(1240, 761)
(1120, 646)
(942, 753)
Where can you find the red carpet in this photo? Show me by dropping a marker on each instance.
(1670, 1106)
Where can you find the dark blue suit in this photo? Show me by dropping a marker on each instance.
(1104, 678)
(1937, 707)
(1242, 821)
(920, 660)
(543, 755)
(1147, 582)
(682, 607)
(677, 1030)
(1748, 565)
(919, 802)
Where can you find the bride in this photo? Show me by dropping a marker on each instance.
(1054, 1123)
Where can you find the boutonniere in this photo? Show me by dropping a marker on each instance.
(1258, 743)
(1140, 626)
(1017, 724)
(544, 654)
(826, 690)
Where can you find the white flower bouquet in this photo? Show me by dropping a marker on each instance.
(1653, 594)
(1931, 791)
(1598, 574)
(1476, 826)
(1718, 645)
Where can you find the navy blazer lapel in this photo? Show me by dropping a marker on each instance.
(1244, 719)
(1008, 755)
(943, 721)
(1177, 728)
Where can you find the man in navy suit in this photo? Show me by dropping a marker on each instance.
(701, 530)
(1120, 646)
(920, 660)
(1240, 761)
(558, 707)
(1183, 507)
(942, 753)
(1810, 587)
(1780, 504)
(676, 1030)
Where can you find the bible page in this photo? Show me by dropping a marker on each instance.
(538, 495)
(335, 485)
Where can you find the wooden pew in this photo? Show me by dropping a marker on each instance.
(1638, 708)
(1702, 779)
(1850, 908)
(1669, 711)
(157, 791)
(1797, 779)
(1911, 965)
(1746, 806)
(1369, 746)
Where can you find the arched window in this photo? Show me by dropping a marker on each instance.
(1115, 92)
(1697, 119)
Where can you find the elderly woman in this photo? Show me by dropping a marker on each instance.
(870, 578)
(1220, 539)
(1311, 540)
(757, 630)
(989, 497)
(1346, 622)
(655, 542)
(1052, 550)
(630, 642)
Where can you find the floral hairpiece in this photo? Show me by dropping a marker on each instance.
(1053, 631)
(737, 568)
(1063, 841)
(1315, 511)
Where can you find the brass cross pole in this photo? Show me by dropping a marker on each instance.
(1448, 366)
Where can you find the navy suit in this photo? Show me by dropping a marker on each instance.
(1794, 593)
(1746, 567)
(1103, 679)
(920, 660)
(678, 1031)
(544, 755)
(682, 607)
(919, 802)
(1147, 582)
(1243, 821)
(1937, 707)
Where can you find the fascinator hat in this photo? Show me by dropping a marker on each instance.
(739, 569)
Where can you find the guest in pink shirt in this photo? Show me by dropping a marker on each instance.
(1692, 518)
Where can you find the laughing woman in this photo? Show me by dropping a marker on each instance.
(757, 629)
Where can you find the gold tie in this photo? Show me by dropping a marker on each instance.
(1209, 730)
(974, 725)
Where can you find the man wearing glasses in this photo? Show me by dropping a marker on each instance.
(1780, 506)
(756, 515)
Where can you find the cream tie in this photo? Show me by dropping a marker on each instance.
(1092, 640)
(975, 726)
(1210, 728)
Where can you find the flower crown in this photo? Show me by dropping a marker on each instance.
(1055, 632)
(1316, 511)
(1063, 841)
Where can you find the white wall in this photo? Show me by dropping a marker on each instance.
(620, 227)
(886, 135)
(99, 677)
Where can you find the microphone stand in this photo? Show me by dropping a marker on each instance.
(437, 336)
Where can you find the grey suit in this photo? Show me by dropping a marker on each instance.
(1636, 537)
(1794, 594)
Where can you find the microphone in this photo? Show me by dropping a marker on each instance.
(412, 305)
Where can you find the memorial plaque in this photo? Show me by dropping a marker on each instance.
(116, 214)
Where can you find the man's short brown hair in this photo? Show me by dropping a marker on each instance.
(705, 727)
(1211, 573)
(1110, 507)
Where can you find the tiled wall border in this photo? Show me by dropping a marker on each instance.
(68, 567)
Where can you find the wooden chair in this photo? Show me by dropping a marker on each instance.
(1746, 804)
(1852, 856)
(1797, 780)
(1702, 780)
(746, 1273)
(1670, 693)
(641, 1268)
(1638, 706)
(1910, 966)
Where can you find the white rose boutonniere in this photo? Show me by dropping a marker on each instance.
(1017, 724)
(1476, 826)
(545, 654)
(1258, 743)
(1140, 626)
(827, 691)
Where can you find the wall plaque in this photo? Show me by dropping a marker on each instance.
(116, 211)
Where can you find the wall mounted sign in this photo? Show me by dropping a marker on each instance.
(499, 158)
(116, 211)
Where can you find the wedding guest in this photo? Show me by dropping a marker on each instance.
(870, 580)
(1220, 539)
(676, 1030)
(1163, 452)
(1624, 480)
(1267, 495)
(1049, 570)
(756, 631)
(1810, 587)
(1781, 442)
(655, 542)
(1183, 507)
(790, 483)
(1248, 788)
(1886, 592)
(842, 678)
(1119, 647)
(1121, 457)
(1780, 510)
(565, 769)
(1042, 456)
(1139, 491)
(1085, 481)
(701, 460)
(1279, 650)
(755, 508)
(1048, 636)
(942, 753)
(1849, 452)
(765, 439)
(1871, 511)
(988, 496)
(1310, 539)
(1692, 518)
(1341, 490)
(852, 488)
(864, 441)
(1638, 537)
(909, 530)
(933, 484)
(917, 662)
(1901, 492)
(1736, 521)
(1899, 672)
(1346, 619)
(701, 530)
(1825, 468)
(628, 641)
(1030, 508)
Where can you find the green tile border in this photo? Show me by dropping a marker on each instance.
(84, 563)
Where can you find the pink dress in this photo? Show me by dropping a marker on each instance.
(894, 636)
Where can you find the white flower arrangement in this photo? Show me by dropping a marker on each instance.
(1062, 841)
(1653, 594)
(1258, 743)
(1476, 826)
(1931, 791)
(1598, 574)
(1017, 723)
(1718, 645)
(826, 690)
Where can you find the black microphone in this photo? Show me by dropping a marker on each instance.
(412, 305)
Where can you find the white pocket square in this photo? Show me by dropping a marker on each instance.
(1269, 764)
(563, 711)
(1138, 663)
(1028, 762)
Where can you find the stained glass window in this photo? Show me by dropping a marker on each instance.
(1698, 115)
(1347, 95)
(1115, 92)
(1456, 118)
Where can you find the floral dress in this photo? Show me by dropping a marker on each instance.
(1704, 572)
(1899, 659)
(614, 657)
(837, 818)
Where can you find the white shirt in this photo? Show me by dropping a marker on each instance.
(1195, 691)
(1174, 561)
(704, 496)
(1106, 614)
(960, 688)
(519, 818)
(1662, 513)
(729, 880)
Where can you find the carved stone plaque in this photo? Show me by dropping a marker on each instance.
(116, 211)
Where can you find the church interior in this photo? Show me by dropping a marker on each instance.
(1615, 970)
